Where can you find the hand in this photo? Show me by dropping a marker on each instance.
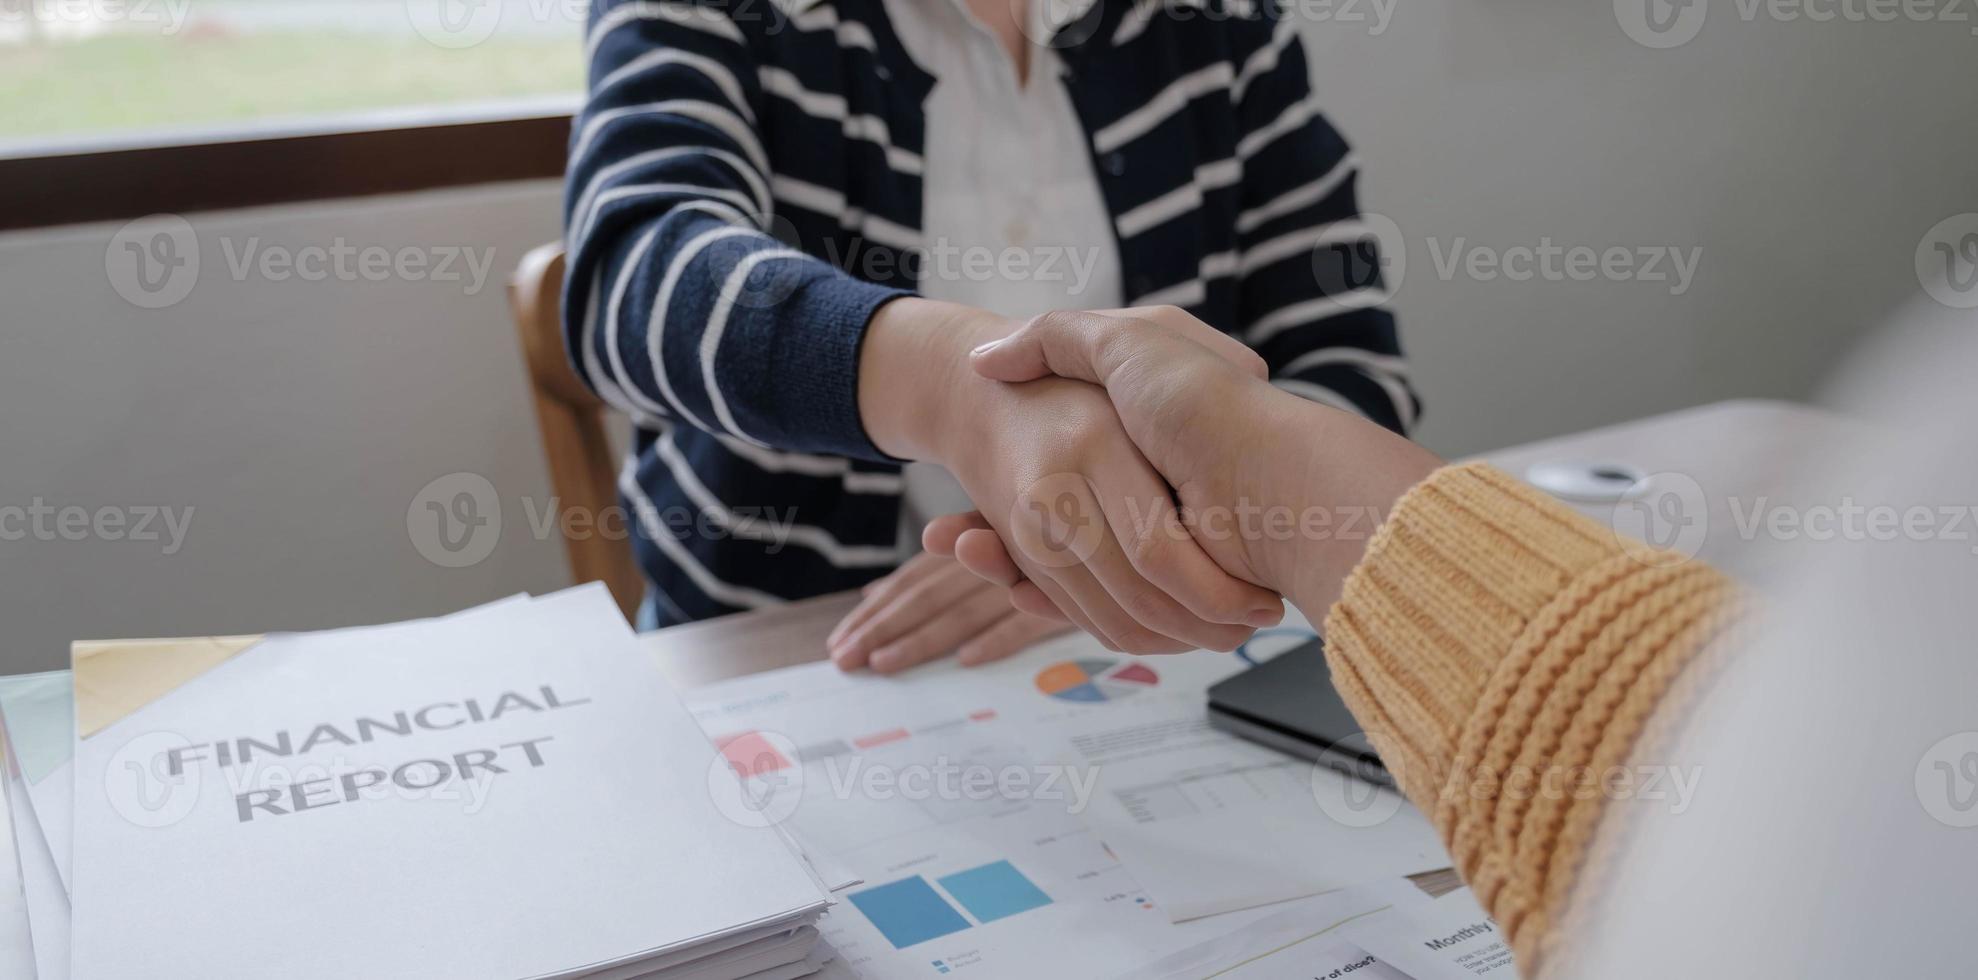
(1093, 526)
(1278, 490)
(930, 607)
(1090, 523)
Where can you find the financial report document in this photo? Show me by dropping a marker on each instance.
(425, 793)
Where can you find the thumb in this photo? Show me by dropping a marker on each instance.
(1066, 343)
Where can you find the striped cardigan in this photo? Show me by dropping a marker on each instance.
(744, 192)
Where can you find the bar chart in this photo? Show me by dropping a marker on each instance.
(911, 911)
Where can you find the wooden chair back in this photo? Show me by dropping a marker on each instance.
(582, 467)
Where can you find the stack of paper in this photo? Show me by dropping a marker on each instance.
(16, 943)
(508, 792)
(40, 734)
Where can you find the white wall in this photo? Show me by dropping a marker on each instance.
(1805, 159)
(297, 419)
(300, 420)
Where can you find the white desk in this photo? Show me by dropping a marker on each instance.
(1734, 452)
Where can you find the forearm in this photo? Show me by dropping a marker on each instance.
(679, 306)
(718, 326)
(1504, 652)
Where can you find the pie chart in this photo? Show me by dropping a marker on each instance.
(1091, 679)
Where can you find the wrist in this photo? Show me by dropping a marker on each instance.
(1340, 476)
(914, 374)
(1276, 479)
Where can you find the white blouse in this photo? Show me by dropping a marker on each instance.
(1013, 221)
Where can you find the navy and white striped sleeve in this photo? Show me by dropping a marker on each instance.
(1310, 264)
(677, 305)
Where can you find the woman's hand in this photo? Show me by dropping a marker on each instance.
(1278, 490)
(1090, 523)
(930, 607)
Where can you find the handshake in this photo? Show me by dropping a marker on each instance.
(1135, 476)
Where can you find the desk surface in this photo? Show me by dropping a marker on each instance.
(1731, 448)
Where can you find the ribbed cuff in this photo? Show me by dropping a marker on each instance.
(1459, 569)
(811, 387)
(1498, 647)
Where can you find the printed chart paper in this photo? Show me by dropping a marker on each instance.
(1451, 938)
(969, 858)
(1406, 937)
(972, 853)
(1300, 940)
(1210, 823)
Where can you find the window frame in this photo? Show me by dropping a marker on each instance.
(54, 182)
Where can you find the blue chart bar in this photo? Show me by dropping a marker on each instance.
(994, 891)
(908, 911)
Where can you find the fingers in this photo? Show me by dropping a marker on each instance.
(1090, 603)
(878, 592)
(958, 623)
(940, 534)
(1063, 529)
(982, 552)
(1119, 502)
(1054, 532)
(1012, 634)
(1027, 597)
(1061, 598)
(1158, 546)
(1144, 619)
(921, 591)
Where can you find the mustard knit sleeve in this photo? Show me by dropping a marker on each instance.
(1500, 650)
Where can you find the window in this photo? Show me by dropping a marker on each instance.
(78, 70)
